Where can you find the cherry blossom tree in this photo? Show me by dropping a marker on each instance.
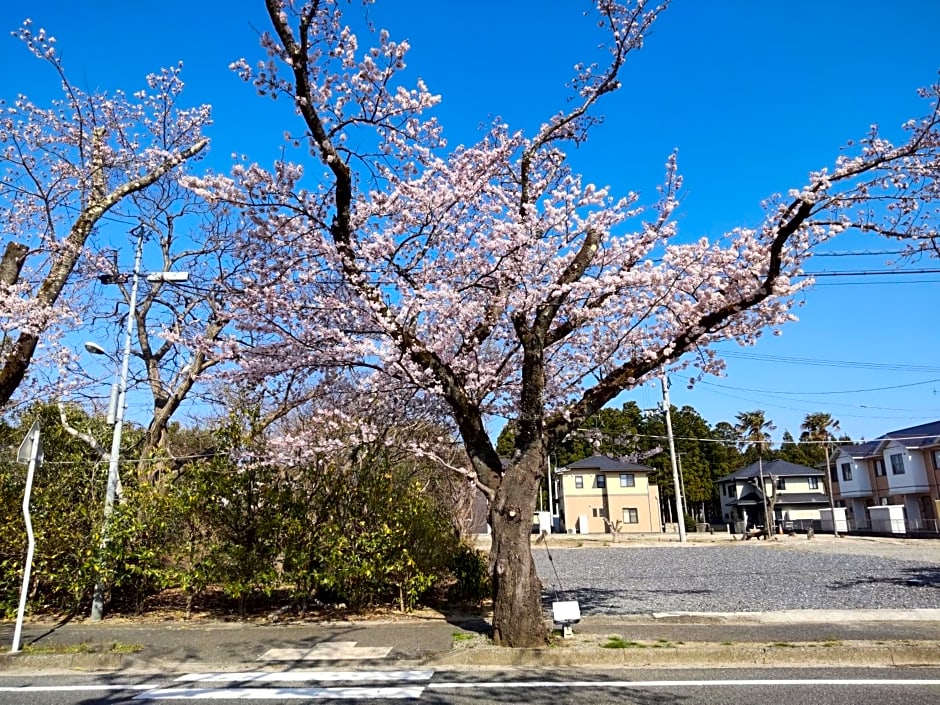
(496, 279)
(64, 170)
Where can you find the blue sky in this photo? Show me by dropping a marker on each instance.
(753, 94)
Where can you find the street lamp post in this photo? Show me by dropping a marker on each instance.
(118, 404)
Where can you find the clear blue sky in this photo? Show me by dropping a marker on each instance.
(753, 94)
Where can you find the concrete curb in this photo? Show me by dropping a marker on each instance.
(813, 655)
(700, 655)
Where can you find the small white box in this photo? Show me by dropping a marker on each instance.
(567, 612)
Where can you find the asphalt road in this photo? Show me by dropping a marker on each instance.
(640, 687)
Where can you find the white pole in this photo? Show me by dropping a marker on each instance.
(31, 448)
(768, 521)
(97, 604)
(551, 504)
(672, 455)
(832, 502)
(685, 500)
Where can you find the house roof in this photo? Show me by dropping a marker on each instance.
(926, 434)
(921, 436)
(605, 464)
(777, 468)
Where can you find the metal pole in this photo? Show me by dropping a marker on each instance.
(685, 499)
(30, 452)
(768, 521)
(832, 502)
(97, 604)
(551, 504)
(672, 456)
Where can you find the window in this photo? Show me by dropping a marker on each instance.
(627, 480)
(599, 512)
(724, 490)
(600, 481)
(936, 460)
(847, 472)
(781, 483)
(813, 483)
(897, 464)
(630, 516)
(880, 467)
(833, 474)
(579, 482)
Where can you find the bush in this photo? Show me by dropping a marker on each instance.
(470, 569)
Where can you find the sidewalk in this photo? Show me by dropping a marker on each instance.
(805, 638)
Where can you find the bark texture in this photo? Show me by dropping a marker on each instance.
(517, 591)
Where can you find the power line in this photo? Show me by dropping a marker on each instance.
(908, 414)
(905, 282)
(870, 273)
(885, 366)
(844, 391)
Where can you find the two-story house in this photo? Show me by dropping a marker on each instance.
(800, 493)
(900, 468)
(601, 495)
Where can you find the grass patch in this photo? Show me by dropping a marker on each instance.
(114, 647)
(832, 642)
(727, 643)
(463, 636)
(783, 645)
(617, 642)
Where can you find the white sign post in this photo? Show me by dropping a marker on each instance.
(30, 453)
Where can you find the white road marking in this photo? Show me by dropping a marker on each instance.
(357, 693)
(74, 688)
(328, 650)
(295, 676)
(154, 691)
(681, 684)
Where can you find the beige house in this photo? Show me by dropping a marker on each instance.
(600, 495)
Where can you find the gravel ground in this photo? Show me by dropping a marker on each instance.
(743, 577)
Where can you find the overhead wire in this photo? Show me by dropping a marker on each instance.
(825, 393)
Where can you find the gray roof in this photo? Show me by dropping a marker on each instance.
(921, 436)
(926, 434)
(777, 468)
(604, 464)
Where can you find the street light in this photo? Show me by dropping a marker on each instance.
(118, 402)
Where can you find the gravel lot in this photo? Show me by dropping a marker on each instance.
(734, 576)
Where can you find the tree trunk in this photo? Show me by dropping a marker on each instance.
(12, 263)
(517, 591)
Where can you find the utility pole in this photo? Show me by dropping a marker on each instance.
(551, 504)
(672, 456)
(832, 502)
(768, 520)
(685, 499)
